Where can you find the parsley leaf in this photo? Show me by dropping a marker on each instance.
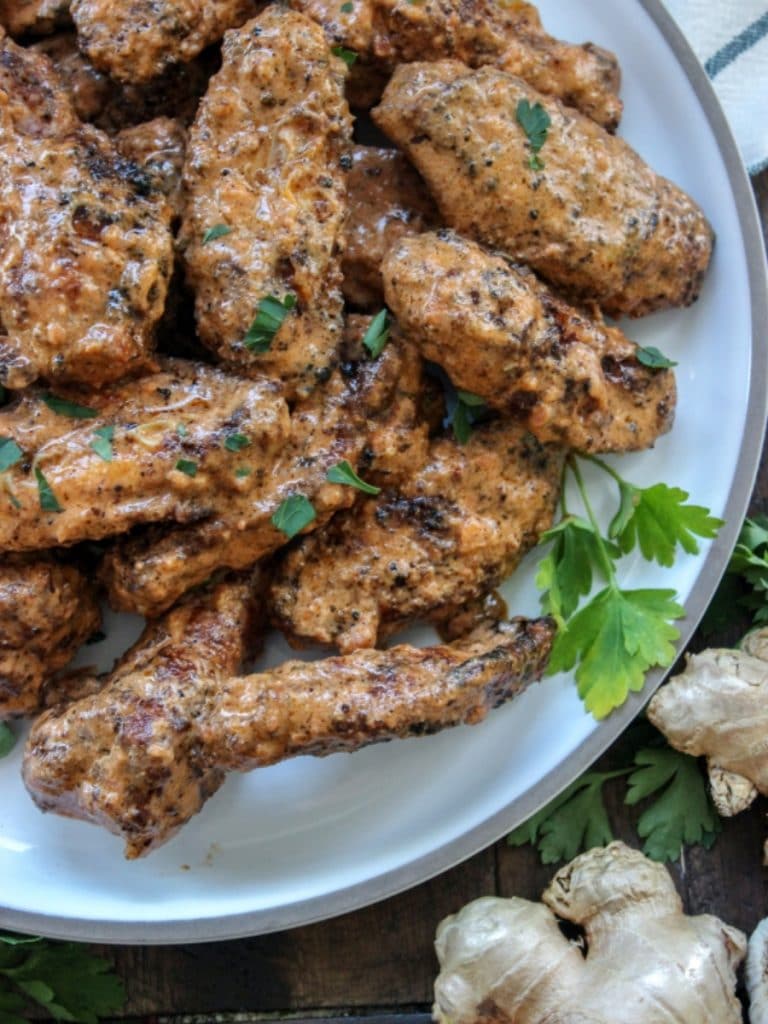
(535, 122)
(10, 453)
(187, 466)
(270, 314)
(657, 519)
(348, 56)
(682, 812)
(651, 357)
(343, 473)
(293, 515)
(217, 231)
(242, 472)
(745, 584)
(66, 979)
(66, 408)
(48, 501)
(464, 414)
(236, 442)
(102, 442)
(574, 821)
(7, 739)
(614, 640)
(566, 573)
(377, 335)
(348, 7)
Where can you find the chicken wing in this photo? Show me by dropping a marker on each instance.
(164, 447)
(136, 41)
(509, 36)
(264, 168)
(142, 756)
(148, 572)
(33, 17)
(585, 211)
(86, 247)
(129, 756)
(501, 334)
(387, 200)
(113, 106)
(47, 610)
(449, 534)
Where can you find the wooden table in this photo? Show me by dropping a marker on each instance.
(380, 960)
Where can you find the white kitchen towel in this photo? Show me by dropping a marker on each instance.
(730, 38)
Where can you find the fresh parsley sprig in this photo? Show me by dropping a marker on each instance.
(678, 810)
(64, 978)
(614, 638)
(7, 739)
(745, 584)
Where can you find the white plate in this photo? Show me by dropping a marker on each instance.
(312, 838)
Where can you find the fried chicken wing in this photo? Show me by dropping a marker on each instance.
(86, 248)
(148, 572)
(595, 220)
(129, 756)
(33, 17)
(264, 161)
(449, 534)
(501, 334)
(160, 448)
(136, 41)
(509, 36)
(143, 755)
(47, 610)
(158, 147)
(113, 106)
(387, 200)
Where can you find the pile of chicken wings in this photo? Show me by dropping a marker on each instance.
(257, 374)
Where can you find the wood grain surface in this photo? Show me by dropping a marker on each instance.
(379, 961)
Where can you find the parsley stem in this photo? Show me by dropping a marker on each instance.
(610, 573)
(606, 468)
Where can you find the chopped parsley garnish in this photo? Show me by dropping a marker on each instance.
(535, 122)
(66, 408)
(377, 335)
(102, 442)
(270, 314)
(343, 473)
(181, 430)
(293, 515)
(617, 635)
(217, 231)
(243, 471)
(653, 358)
(348, 56)
(236, 442)
(48, 502)
(463, 416)
(10, 453)
(347, 8)
(7, 743)
(187, 466)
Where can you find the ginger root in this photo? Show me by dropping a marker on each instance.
(645, 962)
(718, 707)
(757, 974)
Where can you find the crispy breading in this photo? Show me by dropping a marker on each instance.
(594, 219)
(265, 161)
(499, 333)
(85, 242)
(47, 610)
(454, 530)
(141, 756)
(509, 35)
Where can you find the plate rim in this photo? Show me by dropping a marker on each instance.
(453, 852)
